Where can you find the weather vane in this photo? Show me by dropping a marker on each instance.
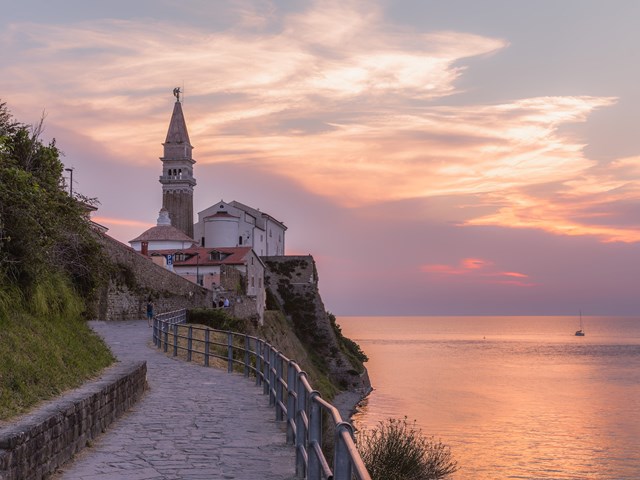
(176, 93)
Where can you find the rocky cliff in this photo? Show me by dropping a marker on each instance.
(292, 288)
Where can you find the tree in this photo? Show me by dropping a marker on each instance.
(42, 229)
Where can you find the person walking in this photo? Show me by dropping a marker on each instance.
(150, 312)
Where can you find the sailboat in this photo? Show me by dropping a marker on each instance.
(580, 333)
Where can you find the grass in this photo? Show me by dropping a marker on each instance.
(46, 347)
(275, 330)
(217, 345)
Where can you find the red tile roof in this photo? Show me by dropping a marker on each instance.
(163, 233)
(235, 255)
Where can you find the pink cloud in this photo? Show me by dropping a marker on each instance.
(479, 269)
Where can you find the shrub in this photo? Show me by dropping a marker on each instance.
(397, 450)
(217, 319)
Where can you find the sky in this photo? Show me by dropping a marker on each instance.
(436, 158)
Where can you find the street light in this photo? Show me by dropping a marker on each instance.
(70, 170)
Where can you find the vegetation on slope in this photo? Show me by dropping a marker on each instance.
(50, 264)
(337, 359)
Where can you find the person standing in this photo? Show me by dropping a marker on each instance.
(149, 312)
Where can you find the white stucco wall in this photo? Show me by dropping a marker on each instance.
(162, 245)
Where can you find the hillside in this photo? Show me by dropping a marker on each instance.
(49, 264)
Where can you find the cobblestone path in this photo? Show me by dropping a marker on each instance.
(192, 423)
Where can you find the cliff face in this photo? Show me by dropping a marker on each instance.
(292, 284)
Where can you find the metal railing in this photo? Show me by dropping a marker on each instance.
(289, 390)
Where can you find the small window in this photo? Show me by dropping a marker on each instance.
(240, 240)
(253, 282)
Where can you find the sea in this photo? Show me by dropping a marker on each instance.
(513, 397)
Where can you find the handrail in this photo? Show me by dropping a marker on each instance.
(288, 387)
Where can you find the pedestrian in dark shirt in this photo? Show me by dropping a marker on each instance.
(150, 313)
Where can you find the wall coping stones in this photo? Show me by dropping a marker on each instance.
(41, 441)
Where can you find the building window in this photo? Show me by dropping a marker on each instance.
(240, 240)
(253, 282)
(251, 260)
(260, 282)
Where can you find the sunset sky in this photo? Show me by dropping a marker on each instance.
(458, 157)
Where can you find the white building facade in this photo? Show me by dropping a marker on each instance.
(237, 225)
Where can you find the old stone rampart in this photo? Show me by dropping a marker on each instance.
(36, 445)
(135, 279)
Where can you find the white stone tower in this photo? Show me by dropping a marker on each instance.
(177, 171)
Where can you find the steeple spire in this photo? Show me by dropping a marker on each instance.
(177, 171)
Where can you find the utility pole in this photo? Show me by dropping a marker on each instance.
(70, 170)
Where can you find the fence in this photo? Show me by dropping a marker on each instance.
(288, 388)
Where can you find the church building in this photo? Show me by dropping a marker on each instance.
(227, 236)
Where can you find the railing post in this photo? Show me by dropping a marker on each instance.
(272, 377)
(175, 339)
(189, 343)
(247, 344)
(229, 352)
(279, 388)
(301, 429)
(258, 345)
(341, 460)
(266, 368)
(291, 401)
(206, 347)
(314, 470)
(166, 336)
(153, 331)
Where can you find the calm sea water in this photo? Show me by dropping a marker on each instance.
(514, 397)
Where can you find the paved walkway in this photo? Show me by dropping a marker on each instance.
(193, 423)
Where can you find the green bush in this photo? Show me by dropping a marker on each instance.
(216, 318)
(396, 450)
(50, 266)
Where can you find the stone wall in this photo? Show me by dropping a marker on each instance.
(37, 444)
(136, 278)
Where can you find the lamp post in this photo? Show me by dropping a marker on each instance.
(70, 170)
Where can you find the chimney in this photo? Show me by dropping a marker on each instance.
(144, 248)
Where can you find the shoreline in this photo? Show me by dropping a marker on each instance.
(347, 402)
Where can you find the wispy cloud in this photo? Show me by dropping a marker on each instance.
(334, 98)
(477, 270)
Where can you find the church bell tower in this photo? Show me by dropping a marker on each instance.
(177, 171)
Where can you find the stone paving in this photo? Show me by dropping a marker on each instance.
(192, 423)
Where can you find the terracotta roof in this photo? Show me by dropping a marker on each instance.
(163, 233)
(236, 255)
